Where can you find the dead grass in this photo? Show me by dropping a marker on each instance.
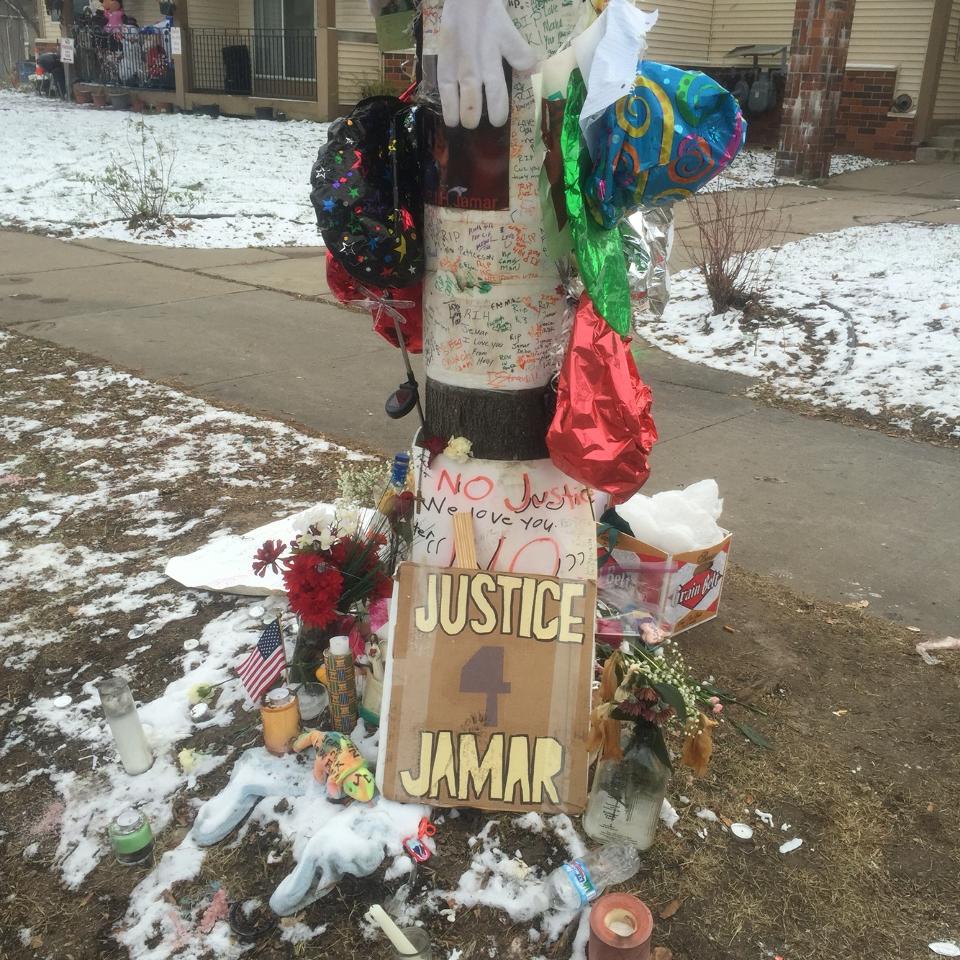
(878, 875)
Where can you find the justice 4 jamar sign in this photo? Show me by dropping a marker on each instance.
(488, 690)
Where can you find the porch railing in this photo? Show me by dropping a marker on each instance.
(128, 58)
(279, 64)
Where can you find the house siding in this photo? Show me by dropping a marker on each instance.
(739, 22)
(354, 15)
(215, 13)
(947, 105)
(886, 34)
(358, 65)
(682, 33)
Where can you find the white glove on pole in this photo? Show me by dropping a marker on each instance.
(475, 37)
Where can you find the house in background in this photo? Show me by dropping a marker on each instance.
(310, 59)
(316, 58)
(902, 77)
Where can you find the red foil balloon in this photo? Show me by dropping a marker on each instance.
(346, 289)
(602, 431)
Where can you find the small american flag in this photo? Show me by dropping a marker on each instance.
(265, 663)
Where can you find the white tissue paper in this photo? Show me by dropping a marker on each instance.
(608, 52)
(677, 521)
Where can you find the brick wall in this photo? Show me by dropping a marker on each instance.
(396, 70)
(862, 124)
(821, 38)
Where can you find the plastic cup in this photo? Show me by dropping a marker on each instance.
(420, 941)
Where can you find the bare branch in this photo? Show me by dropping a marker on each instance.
(731, 226)
(26, 11)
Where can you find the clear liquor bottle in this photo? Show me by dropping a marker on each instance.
(627, 794)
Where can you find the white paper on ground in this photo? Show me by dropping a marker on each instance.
(225, 564)
(608, 52)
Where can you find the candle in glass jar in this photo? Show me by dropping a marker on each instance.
(280, 713)
(121, 713)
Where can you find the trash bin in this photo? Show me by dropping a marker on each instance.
(236, 69)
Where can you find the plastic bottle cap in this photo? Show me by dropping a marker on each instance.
(340, 646)
(128, 821)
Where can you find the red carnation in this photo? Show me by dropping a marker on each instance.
(433, 445)
(313, 589)
(268, 556)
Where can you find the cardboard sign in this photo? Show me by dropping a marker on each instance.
(176, 42)
(487, 693)
(679, 591)
(66, 49)
(528, 517)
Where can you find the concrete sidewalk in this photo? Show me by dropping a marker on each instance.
(837, 511)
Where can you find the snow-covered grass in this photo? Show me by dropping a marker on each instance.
(865, 319)
(753, 167)
(250, 177)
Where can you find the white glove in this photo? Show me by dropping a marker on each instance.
(475, 37)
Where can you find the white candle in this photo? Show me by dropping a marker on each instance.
(376, 914)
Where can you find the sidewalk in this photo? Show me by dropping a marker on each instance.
(836, 511)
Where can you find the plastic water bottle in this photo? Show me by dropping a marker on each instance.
(581, 881)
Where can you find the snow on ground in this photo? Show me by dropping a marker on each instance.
(754, 168)
(249, 178)
(103, 476)
(866, 319)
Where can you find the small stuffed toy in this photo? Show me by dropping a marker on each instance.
(339, 765)
(113, 15)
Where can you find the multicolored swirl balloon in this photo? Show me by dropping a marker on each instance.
(674, 132)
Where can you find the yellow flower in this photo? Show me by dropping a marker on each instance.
(199, 692)
(458, 449)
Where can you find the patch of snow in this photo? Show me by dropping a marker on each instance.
(866, 319)
(249, 178)
(753, 167)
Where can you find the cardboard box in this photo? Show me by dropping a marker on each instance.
(678, 591)
(487, 690)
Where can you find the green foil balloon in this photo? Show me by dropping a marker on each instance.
(599, 252)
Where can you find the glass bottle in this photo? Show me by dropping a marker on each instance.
(121, 713)
(627, 794)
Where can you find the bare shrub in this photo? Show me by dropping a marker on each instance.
(732, 226)
(140, 184)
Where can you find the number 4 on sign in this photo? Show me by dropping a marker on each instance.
(483, 673)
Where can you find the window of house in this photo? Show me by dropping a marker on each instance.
(285, 44)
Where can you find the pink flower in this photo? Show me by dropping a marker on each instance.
(718, 708)
(379, 614)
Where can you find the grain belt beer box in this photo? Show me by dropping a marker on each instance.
(636, 581)
(487, 690)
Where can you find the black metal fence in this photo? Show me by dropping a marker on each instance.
(259, 63)
(126, 58)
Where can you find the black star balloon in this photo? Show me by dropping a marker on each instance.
(368, 193)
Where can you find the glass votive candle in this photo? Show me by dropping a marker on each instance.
(421, 943)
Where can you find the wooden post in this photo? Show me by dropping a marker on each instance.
(932, 64)
(181, 61)
(66, 31)
(495, 321)
(328, 92)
